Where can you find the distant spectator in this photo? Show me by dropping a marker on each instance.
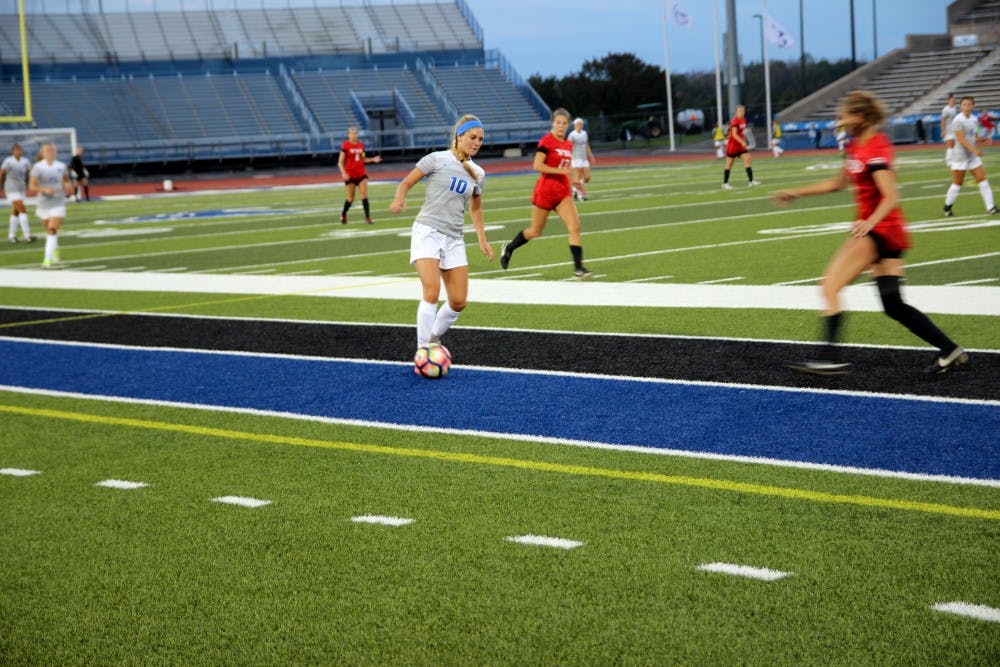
(815, 134)
(947, 115)
(921, 132)
(352, 163)
(776, 140)
(719, 137)
(986, 120)
(966, 157)
(81, 177)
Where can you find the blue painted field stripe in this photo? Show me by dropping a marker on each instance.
(936, 438)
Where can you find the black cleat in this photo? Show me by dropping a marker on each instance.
(343, 219)
(819, 367)
(29, 239)
(504, 257)
(993, 211)
(947, 211)
(948, 362)
(582, 273)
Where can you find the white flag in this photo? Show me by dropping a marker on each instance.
(681, 17)
(777, 35)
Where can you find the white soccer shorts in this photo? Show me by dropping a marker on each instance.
(965, 165)
(54, 212)
(15, 196)
(428, 243)
(580, 164)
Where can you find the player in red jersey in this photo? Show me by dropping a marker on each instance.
(736, 147)
(352, 163)
(553, 160)
(877, 239)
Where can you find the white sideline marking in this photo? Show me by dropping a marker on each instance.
(521, 277)
(92, 268)
(932, 262)
(722, 280)
(131, 268)
(394, 521)
(122, 484)
(303, 273)
(977, 611)
(19, 472)
(966, 300)
(973, 282)
(242, 501)
(648, 280)
(176, 269)
(761, 573)
(542, 541)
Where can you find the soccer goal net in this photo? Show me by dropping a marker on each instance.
(31, 141)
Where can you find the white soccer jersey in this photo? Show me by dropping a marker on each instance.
(947, 115)
(15, 175)
(449, 188)
(50, 176)
(967, 126)
(579, 140)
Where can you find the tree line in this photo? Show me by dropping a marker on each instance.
(616, 84)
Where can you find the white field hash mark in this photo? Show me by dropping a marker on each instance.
(19, 472)
(122, 484)
(394, 521)
(978, 611)
(241, 501)
(761, 573)
(542, 541)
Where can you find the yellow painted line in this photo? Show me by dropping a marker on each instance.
(522, 464)
(195, 304)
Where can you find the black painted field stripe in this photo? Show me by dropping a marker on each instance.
(885, 370)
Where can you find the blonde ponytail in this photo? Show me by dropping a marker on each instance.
(459, 155)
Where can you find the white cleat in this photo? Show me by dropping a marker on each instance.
(727, 186)
(754, 184)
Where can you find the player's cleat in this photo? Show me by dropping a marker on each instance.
(504, 257)
(47, 264)
(29, 239)
(819, 367)
(12, 239)
(582, 273)
(55, 256)
(754, 184)
(948, 362)
(727, 186)
(343, 219)
(993, 211)
(947, 210)
(369, 221)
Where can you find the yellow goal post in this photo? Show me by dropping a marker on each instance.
(26, 116)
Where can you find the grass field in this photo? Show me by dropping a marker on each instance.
(163, 575)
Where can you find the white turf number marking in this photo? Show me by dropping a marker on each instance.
(394, 521)
(122, 484)
(542, 541)
(761, 573)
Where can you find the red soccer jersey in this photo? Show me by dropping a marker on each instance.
(354, 163)
(558, 153)
(863, 160)
(737, 128)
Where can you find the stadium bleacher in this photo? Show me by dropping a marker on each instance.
(208, 83)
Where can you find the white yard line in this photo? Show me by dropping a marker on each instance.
(973, 282)
(759, 573)
(648, 280)
(722, 280)
(947, 260)
(122, 484)
(19, 472)
(392, 521)
(543, 541)
(977, 611)
(242, 501)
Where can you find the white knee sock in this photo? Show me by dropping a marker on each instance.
(445, 318)
(24, 225)
(51, 243)
(13, 227)
(947, 156)
(987, 194)
(425, 321)
(952, 195)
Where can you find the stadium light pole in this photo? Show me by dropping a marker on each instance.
(874, 32)
(767, 76)
(854, 55)
(802, 48)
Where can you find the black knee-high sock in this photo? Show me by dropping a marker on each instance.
(577, 252)
(86, 190)
(750, 174)
(368, 211)
(910, 317)
(831, 324)
(347, 205)
(516, 242)
(725, 176)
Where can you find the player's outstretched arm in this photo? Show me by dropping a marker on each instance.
(398, 204)
(834, 184)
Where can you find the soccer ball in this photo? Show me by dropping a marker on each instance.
(432, 361)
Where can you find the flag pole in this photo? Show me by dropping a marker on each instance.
(767, 83)
(666, 59)
(718, 70)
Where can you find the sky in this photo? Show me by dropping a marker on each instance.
(556, 37)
